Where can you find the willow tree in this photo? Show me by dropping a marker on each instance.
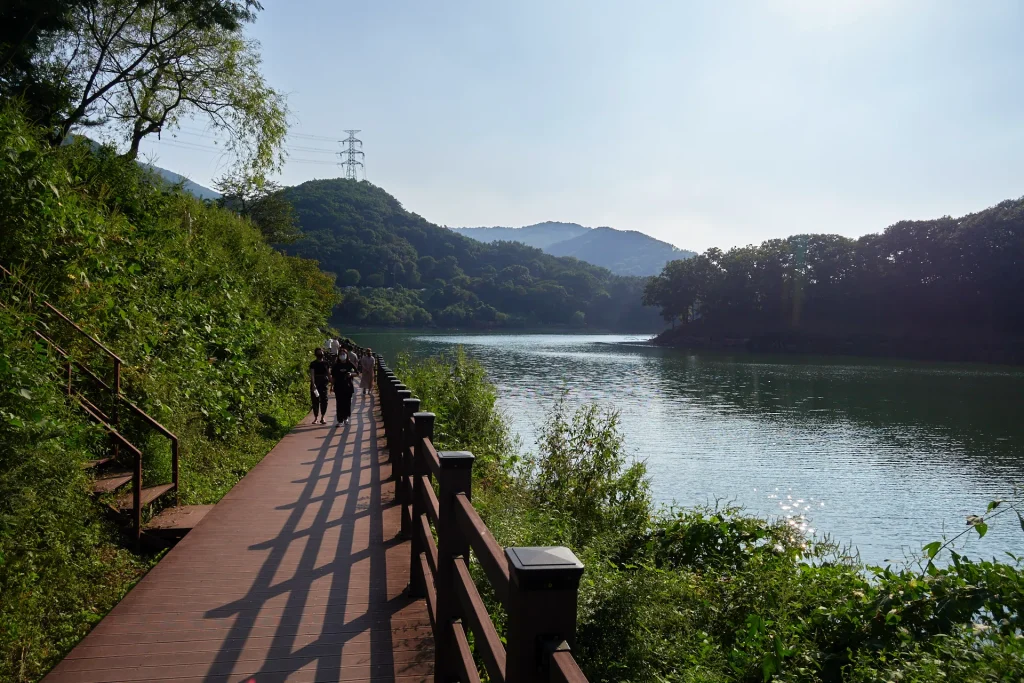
(140, 68)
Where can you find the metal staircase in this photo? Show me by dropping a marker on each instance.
(91, 376)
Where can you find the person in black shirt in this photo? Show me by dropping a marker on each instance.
(341, 377)
(319, 376)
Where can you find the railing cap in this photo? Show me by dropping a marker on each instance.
(426, 415)
(544, 567)
(454, 460)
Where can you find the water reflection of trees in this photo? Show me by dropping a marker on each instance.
(976, 408)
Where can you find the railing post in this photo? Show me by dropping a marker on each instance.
(400, 393)
(456, 477)
(543, 586)
(137, 497)
(174, 471)
(384, 389)
(424, 430)
(406, 438)
(389, 415)
(116, 390)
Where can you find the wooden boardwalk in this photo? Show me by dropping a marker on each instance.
(296, 575)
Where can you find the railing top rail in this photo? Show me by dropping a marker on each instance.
(103, 347)
(433, 461)
(110, 429)
(564, 668)
(63, 317)
(488, 552)
(150, 420)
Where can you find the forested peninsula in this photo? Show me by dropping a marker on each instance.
(397, 269)
(942, 289)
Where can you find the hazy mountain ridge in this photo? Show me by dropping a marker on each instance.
(187, 185)
(540, 235)
(624, 252)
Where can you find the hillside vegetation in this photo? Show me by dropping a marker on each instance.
(398, 269)
(945, 288)
(623, 252)
(215, 328)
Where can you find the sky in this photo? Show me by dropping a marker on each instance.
(704, 124)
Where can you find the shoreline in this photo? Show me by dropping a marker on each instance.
(863, 345)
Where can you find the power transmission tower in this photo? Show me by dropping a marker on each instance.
(348, 156)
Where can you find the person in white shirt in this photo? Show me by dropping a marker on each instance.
(367, 365)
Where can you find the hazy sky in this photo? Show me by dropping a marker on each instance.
(700, 123)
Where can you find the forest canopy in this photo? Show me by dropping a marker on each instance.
(951, 281)
(398, 269)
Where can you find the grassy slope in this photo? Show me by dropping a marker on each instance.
(214, 326)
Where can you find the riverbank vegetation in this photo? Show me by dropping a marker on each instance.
(213, 324)
(713, 593)
(945, 289)
(399, 270)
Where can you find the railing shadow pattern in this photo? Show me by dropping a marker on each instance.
(340, 506)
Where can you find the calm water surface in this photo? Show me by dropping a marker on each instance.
(884, 455)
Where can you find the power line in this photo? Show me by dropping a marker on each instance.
(348, 155)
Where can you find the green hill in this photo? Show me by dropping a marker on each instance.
(401, 270)
(215, 328)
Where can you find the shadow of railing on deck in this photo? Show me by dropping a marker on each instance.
(351, 609)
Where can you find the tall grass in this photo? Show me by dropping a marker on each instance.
(714, 593)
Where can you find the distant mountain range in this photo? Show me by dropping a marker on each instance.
(624, 252)
(186, 184)
(170, 176)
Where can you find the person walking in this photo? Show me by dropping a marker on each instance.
(319, 378)
(341, 380)
(367, 367)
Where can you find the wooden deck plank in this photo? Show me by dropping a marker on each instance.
(296, 575)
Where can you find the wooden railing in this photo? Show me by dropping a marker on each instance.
(536, 586)
(102, 399)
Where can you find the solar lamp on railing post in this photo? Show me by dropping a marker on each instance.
(543, 587)
(455, 478)
(424, 430)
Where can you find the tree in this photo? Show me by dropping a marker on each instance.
(262, 202)
(350, 278)
(26, 30)
(141, 67)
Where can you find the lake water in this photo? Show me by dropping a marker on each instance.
(884, 455)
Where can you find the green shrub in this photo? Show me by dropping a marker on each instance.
(714, 593)
(215, 328)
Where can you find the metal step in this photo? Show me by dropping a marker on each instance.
(149, 495)
(111, 481)
(173, 523)
(94, 464)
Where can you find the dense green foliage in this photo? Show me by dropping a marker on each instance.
(138, 69)
(213, 324)
(952, 285)
(437, 277)
(714, 594)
